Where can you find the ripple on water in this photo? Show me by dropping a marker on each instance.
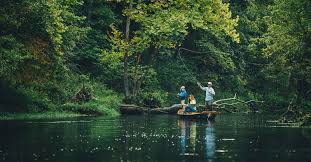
(227, 139)
(58, 122)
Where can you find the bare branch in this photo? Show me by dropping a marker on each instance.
(226, 99)
(222, 102)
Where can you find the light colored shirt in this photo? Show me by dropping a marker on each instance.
(209, 93)
(193, 102)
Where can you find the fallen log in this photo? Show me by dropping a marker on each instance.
(218, 105)
(222, 103)
(166, 110)
(134, 109)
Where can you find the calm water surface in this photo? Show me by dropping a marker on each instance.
(240, 138)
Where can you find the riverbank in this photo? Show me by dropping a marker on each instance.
(17, 105)
(70, 111)
(101, 106)
(35, 116)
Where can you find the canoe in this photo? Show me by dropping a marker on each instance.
(209, 115)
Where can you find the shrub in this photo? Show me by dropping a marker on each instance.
(152, 99)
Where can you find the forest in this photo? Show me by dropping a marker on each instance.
(89, 56)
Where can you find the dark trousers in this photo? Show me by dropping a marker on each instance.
(209, 105)
(190, 109)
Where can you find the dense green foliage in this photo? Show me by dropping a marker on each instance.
(50, 49)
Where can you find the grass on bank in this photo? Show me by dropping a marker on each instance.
(34, 116)
(102, 105)
(104, 102)
(53, 103)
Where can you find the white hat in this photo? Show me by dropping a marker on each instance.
(182, 87)
(209, 83)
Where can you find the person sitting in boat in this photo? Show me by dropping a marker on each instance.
(182, 95)
(209, 95)
(191, 104)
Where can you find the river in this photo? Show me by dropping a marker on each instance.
(236, 138)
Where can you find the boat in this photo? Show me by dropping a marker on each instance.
(209, 115)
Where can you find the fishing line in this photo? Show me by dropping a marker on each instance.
(189, 72)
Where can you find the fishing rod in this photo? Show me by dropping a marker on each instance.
(189, 72)
(198, 52)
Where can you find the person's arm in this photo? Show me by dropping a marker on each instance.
(211, 91)
(200, 85)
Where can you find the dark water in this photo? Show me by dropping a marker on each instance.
(154, 138)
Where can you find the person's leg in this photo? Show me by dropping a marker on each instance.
(206, 106)
(210, 105)
(192, 109)
(187, 109)
(182, 102)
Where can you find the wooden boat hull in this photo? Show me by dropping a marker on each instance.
(206, 115)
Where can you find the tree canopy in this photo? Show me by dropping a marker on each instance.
(258, 49)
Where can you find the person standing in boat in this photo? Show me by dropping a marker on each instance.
(209, 95)
(182, 95)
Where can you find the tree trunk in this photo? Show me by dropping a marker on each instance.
(151, 55)
(300, 90)
(126, 55)
(136, 78)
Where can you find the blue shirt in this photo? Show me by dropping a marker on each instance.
(182, 94)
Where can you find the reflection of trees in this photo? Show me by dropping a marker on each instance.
(62, 141)
(306, 133)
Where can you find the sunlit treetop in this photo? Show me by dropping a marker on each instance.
(171, 20)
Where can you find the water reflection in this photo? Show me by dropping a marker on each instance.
(152, 138)
(188, 136)
(188, 139)
(62, 141)
(210, 141)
